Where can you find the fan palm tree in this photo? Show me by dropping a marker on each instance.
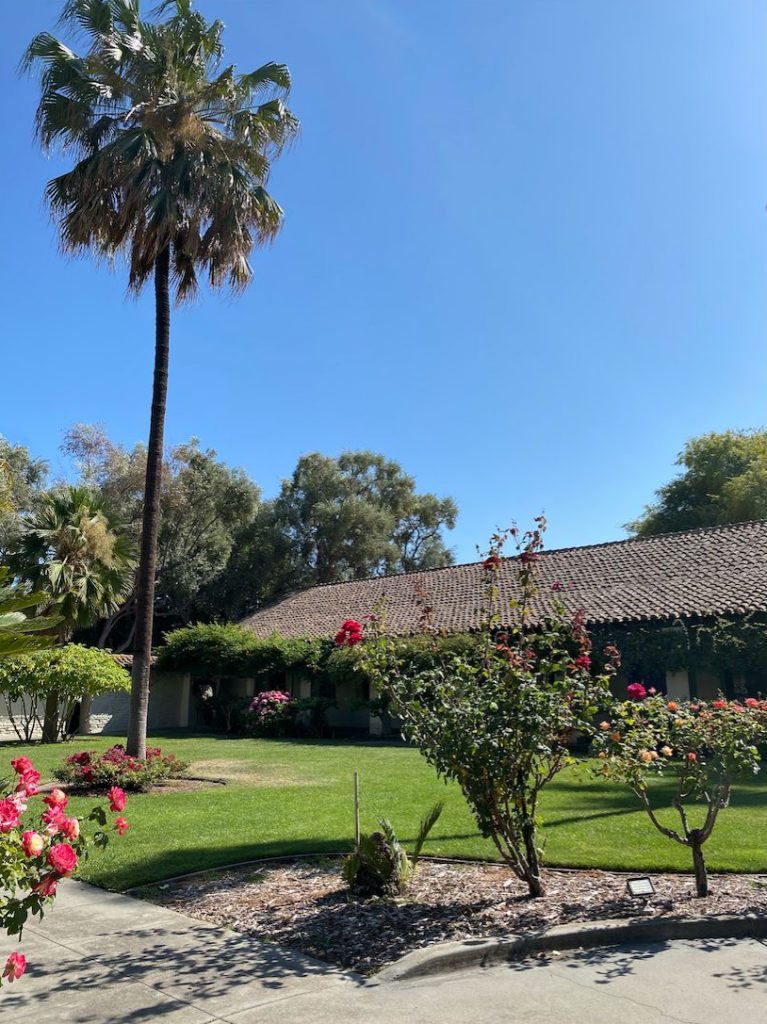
(21, 632)
(173, 152)
(71, 551)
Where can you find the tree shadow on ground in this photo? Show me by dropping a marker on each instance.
(212, 970)
(610, 963)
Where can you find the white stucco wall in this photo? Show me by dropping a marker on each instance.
(169, 703)
(678, 684)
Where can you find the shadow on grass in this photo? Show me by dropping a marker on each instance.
(171, 863)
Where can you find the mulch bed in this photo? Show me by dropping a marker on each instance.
(304, 905)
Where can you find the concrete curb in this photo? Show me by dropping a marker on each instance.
(456, 956)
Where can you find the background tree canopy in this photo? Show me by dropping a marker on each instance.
(222, 550)
(724, 480)
(22, 480)
(335, 519)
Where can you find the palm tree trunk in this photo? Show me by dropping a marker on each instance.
(142, 651)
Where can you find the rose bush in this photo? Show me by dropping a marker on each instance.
(40, 847)
(89, 770)
(498, 715)
(703, 745)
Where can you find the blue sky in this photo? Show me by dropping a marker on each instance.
(525, 254)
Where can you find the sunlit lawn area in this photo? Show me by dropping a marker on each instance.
(288, 797)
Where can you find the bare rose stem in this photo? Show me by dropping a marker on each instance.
(356, 809)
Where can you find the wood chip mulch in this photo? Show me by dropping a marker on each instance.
(305, 906)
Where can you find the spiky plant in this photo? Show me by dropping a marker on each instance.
(379, 864)
(172, 152)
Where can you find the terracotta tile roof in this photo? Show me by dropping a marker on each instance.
(674, 575)
(126, 660)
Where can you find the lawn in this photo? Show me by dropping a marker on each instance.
(287, 797)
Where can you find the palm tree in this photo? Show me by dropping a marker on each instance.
(20, 632)
(173, 154)
(71, 551)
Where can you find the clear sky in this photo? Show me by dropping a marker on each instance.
(525, 254)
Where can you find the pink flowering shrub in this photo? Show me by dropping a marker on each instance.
(271, 712)
(90, 770)
(703, 745)
(39, 847)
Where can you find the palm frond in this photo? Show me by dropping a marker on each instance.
(428, 822)
(173, 149)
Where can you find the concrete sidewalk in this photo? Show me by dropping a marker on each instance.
(101, 958)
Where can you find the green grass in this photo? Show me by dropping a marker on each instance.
(289, 797)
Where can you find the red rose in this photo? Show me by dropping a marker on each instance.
(62, 858)
(349, 634)
(720, 705)
(46, 886)
(636, 691)
(583, 661)
(121, 826)
(116, 799)
(491, 562)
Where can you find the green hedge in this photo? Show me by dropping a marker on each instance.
(228, 650)
(736, 644)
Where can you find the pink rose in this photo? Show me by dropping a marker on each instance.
(53, 819)
(28, 782)
(121, 826)
(116, 799)
(9, 815)
(62, 858)
(46, 886)
(22, 765)
(636, 691)
(70, 827)
(32, 843)
(15, 966)
(56, 798)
